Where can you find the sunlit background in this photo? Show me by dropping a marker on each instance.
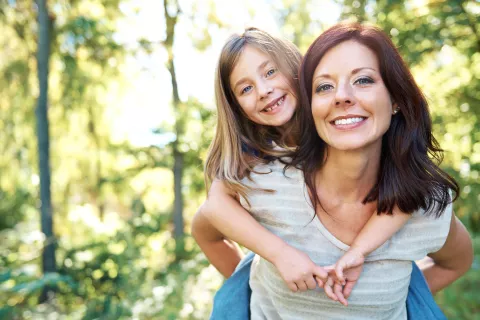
(120, 141)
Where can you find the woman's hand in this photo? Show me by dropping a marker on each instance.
(298, 271)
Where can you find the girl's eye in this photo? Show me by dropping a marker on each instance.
(323, 87)
(246, 89)
(363, 80)
(271, 72)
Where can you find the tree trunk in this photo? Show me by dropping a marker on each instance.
(178, 166)
(48, 257)
(178, 204)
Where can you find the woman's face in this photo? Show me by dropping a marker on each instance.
(351, 106)
(263, 92)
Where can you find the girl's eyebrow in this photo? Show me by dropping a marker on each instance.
(241, 80)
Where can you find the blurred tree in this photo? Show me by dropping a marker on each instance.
(172, 11)
(43, 55)
(80, 58)
(354, 10)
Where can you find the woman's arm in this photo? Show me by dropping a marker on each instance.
(232, 221)
(451, 261)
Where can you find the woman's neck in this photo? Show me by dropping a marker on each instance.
(349, 175)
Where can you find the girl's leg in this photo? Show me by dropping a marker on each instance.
(232, 301)
(420, 302)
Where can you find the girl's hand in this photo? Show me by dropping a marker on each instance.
(298, 270)
(351, 259)
(343, 276)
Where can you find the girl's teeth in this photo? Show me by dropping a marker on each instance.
(279, 102)
(347, 121)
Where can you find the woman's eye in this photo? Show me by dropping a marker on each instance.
(364, 80)
(271, 72)
(323, 87)
(246, 89)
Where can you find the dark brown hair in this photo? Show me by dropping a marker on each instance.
(409, 175)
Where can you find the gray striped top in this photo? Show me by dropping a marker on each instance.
(381, 291)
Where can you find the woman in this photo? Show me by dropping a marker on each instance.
(364, 148)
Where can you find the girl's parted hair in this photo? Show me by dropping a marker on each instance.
(409, 175)
(235, 133)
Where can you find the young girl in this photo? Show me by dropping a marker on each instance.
(257, 105)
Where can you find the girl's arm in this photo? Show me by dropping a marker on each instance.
(232, 221)
(377, 230)
(451, 261)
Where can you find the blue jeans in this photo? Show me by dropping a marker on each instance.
(232, 301)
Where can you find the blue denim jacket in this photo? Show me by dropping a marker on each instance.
(232, 301)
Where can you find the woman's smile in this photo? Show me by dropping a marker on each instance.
(348, 122)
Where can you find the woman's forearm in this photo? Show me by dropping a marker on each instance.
(437, 277)
(452, 261)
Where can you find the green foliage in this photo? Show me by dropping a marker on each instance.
(13, 206)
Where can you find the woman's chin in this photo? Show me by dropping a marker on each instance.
(348, 145)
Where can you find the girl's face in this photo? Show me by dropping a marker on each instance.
(263, 92)
(351, 106)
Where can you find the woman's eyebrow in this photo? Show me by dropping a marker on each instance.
(357, 70)
(354, 71)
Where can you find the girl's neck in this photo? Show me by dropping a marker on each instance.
(348, 175)
(289, 138)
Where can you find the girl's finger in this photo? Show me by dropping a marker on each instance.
(337, 289)
(329, 291)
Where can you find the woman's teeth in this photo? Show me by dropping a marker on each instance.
(279, 102)
(348, 121)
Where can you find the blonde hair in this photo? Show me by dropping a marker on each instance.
(227, 159)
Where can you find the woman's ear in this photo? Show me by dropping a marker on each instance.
(395, 108)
